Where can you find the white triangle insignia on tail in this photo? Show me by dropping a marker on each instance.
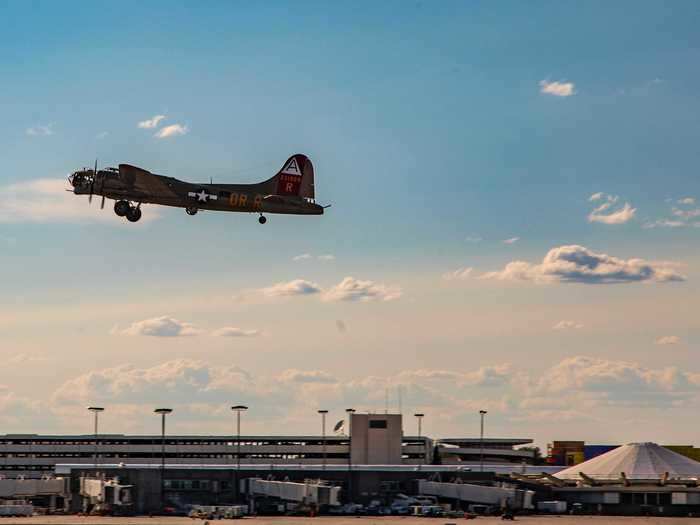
(291, 168)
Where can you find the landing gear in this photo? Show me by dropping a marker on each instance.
(191, 210)
(121, 208)
(134, 214)
(262, 219)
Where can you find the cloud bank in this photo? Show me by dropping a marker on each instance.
(577, 264)
(200, 391)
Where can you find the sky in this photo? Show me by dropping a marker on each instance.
(514, 221)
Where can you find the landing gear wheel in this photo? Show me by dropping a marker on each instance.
(262, 219)
(121, 208)
(191, 211)
(133, 215)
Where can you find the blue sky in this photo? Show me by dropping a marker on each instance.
(438, 131)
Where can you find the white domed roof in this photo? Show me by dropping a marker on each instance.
(637, 461)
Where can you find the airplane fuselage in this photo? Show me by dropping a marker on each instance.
(288, 192)
(249, 198)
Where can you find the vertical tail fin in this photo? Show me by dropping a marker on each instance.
(295, 179)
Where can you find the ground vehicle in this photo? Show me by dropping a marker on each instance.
(433, 511)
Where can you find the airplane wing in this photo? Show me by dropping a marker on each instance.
(144, 182)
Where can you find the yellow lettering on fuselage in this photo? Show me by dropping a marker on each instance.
(241, 200)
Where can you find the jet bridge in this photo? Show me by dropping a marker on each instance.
(48, 492)
(310, 492)
(502, 496)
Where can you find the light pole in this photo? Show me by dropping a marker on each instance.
(349, 412)
(96, 411)
(163, 412)
(420, 417)
(482, 413)
(238, 409)
(323, 433)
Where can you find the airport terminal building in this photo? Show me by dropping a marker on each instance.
(376, 461)
(376, 439)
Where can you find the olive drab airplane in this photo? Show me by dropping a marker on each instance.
(291, 191)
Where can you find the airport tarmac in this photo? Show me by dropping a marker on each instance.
(328, 520)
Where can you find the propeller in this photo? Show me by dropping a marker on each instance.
(92, 183)
(92, 187)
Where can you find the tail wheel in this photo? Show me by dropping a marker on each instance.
(133, 215)
(262, 219)
(121, 208)
(191, 210)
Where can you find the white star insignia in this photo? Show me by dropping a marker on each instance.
(202, 196)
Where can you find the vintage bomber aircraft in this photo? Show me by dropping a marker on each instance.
(291, 191)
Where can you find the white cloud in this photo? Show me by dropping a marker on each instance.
(681, 217)
(40, 130)
(351, 289)
(201, 393)
(604, 214)
(176, 381)
(306, 376)
(473, 238)
(610, 382)
(665, 223)
(490, 375)
(567, 325)
(46, 201)
(577, 264)
(173, 130)
(556, 88)
(292, 288)
(307, 256)
(459, 274)
(686, 214)
(102, 135)
(152, 122)
(668, 340)
(512, 240)
(15, 409)
(231, 331)
(27, 359)
(163, 326)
